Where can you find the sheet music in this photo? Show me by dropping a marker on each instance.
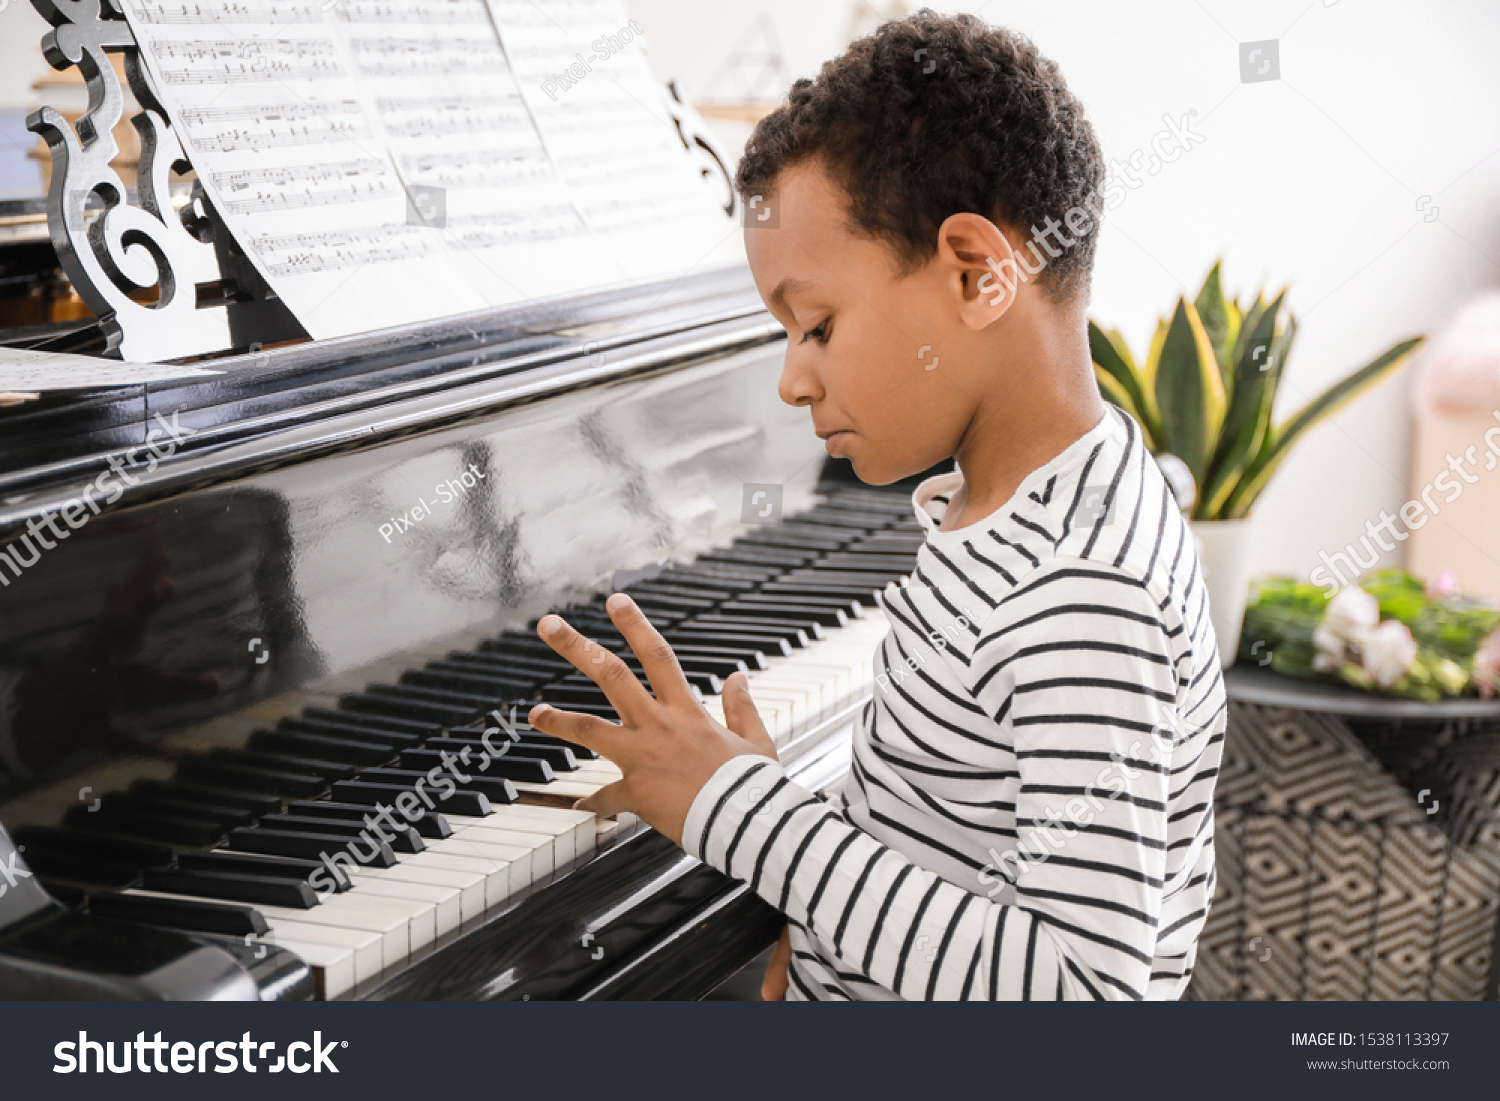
(464, 143)
(27, 371)
(269, 109)
(582, 70)
(391, 161)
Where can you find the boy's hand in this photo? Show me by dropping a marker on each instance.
(667, 747)
(778, 971)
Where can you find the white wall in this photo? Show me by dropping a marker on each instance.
(1313, 180)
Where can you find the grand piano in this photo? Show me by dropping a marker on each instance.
(242, 615)
(337, 573)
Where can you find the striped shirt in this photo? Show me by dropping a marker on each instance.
(1030, 809)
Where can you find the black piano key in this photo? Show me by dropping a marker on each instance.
(663, 605)
(468, 803)
(793, 540)
(583, 706)
(310, 846)
(497, 790)
(224, 816)
(226, 774)
(354, 729)
(499, 663)
(428, 824)
(573, 693)
(772, 645)
(258, 890)
(402, 839)
(859, 560)
(739, 611)
(177, 913)
(74, 896)
(756, 556)
(253, 802)
(512, 766)
(443, 675)
(722, 583)
(810, 599)
(396, 706)
(528, 734)
(704, 674)
(279, 762)
(560, 757)
(827, 616)
(723, 651)
(532, 649)
(798, 632)
(248, 863)
(770, 641)
(861, 594)
(319, 747)
(169, 829)
(82, 868)
(469, 703)
(375, 723)
(86, 842)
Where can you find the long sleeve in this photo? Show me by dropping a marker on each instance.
(1075, 670)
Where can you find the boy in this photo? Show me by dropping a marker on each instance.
(1030, 808)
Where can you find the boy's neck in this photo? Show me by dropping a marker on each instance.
(1024, 427)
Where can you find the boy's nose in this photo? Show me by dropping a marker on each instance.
(799, 382)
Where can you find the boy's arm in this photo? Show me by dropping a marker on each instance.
(1078, 676)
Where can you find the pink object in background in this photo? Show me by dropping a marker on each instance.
(1455, 472)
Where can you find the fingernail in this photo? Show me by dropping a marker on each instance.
(539, 709)
(550, 624)
(617, 602)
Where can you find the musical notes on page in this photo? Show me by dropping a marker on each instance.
(389, 161)
(274, 117)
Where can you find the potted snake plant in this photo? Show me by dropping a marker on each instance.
(1205, 393)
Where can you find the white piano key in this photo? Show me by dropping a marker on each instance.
(525, 863)
(401, 924)
(540, 849)
(494, 874)
(332, 966)
(445, 900)
(470, 885)
(366, 947)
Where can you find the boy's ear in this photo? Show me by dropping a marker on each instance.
(977, 256)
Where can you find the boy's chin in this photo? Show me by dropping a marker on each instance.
(874, 472)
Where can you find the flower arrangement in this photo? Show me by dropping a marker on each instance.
(1393, 635)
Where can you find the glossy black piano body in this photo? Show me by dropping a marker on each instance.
(324, 509)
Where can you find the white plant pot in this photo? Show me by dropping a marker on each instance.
(1224, 556)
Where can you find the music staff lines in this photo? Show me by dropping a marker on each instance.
(179, 14)
(321, 185)
(472, 13)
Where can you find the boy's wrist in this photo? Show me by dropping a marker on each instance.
(730, 794)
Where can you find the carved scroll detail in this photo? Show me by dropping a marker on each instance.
(127, 249)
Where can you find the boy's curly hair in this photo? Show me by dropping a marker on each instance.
(992, 129)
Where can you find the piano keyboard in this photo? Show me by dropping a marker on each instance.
(241, 843)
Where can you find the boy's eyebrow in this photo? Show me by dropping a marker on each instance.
(778, 296)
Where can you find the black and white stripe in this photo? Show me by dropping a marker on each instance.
(1029, 811)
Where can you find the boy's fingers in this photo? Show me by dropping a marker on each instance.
(654, 652)
(607, 802)
(626, 694)
(741, 716)
(589, 731)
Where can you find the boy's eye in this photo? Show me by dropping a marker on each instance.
(820, 333)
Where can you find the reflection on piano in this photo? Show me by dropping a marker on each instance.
(214, 686)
